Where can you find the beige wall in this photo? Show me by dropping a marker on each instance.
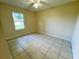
(0, 30)
(4, 50)
(58, 21)
(7, 21)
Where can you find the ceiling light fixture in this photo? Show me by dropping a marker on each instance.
(36, 3)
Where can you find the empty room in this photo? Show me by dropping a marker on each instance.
(39, 29)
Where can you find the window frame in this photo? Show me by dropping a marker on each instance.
(18, 21)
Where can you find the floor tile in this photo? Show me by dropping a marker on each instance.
(61, 57)
(52, 55)
(30, 50)
(22, 56)
(37, 55)
(55, 49)
(17, 51)
(66, 54)
(39, 46)
(44, 49)
(45, 57)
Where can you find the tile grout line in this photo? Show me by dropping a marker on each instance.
(59, 52)
(38, 50)
(47, 52)
(24, 51)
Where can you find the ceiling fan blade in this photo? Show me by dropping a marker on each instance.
(31, 5)
(44, 3)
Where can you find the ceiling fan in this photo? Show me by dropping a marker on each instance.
(37, 3)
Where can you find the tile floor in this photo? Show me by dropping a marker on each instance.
(38, 46)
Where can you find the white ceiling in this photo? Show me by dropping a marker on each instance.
(25, 3)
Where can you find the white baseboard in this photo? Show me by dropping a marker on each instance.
(58, 36)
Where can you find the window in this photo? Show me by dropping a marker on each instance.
(18, 20)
